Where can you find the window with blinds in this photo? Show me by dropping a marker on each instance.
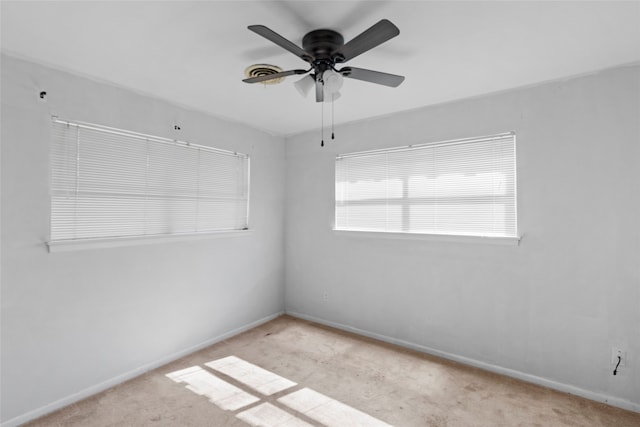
(110, 183)
(463, 187)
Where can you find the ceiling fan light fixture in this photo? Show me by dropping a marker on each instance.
(332, 81)
(304, 85)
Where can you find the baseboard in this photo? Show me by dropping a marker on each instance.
(90, 391)
(566, 388)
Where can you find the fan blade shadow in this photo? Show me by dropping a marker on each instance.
(339, 16)
(358, 13)
(297, 11)
(261, 54)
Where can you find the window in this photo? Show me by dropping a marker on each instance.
(109, 183)
(462, 187)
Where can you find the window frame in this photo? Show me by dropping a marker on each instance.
(405, 201)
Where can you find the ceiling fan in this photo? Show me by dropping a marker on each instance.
(323, 50)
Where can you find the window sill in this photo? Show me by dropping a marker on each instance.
(114, 242)
(508, 241)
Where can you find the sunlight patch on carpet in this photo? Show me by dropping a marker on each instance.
(261, 380)
(306, 402)
(268, 415)
(220, 392)
(328, 411)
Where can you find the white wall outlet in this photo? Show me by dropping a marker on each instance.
(615, 352)
(325, 296)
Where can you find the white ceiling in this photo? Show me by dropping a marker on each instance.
(194, 53)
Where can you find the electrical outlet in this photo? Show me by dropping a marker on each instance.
(615, 352)
(325, 296)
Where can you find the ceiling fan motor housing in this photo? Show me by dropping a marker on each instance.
(323, 45)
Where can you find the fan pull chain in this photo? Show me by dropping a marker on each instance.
(333, 101)
(322, 124)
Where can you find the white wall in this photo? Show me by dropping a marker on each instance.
(548, 310)
(74, 322)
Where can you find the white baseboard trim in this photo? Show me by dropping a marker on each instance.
(90, 391)
(566, 388)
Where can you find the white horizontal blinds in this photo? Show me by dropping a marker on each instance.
(224, 190)
(464, 187)
(112, 183)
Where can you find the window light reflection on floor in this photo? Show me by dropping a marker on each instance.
(305, 401)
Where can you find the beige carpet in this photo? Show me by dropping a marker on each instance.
(290, 372)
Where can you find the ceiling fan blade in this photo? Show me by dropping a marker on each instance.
(319, 91)
(371, 76)
(267, 77)
(376, 35)
(280, 41)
